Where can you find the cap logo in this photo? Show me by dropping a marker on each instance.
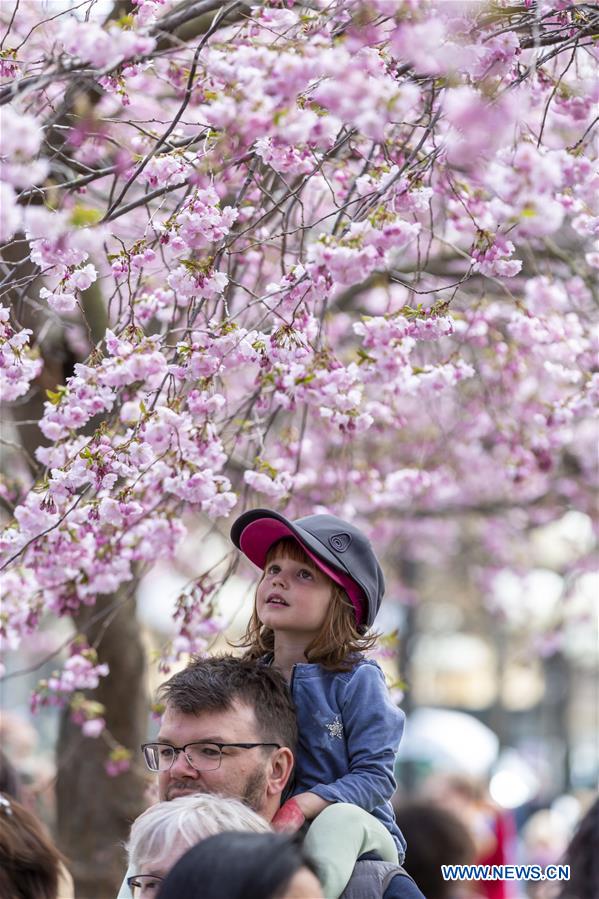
(340, 542)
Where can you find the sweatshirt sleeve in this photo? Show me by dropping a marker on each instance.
(372, 727)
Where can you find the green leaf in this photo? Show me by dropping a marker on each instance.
(265, 467)
(125, 22)
(55, 396)
(363, 356)
(84, 216)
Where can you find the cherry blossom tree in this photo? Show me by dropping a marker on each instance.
(316, 255)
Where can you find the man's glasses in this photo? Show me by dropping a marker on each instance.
(201, 756)
(144, 886)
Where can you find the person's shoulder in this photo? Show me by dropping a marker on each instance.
(373, 877)
(363, 663)
(303, 670)
(365, 670)
(402, 887)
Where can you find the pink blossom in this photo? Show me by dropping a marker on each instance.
(60, 301)
(81, 671)
(10, 213)
(34, 516)
(492, 258)
(54, 242)
(382, 331)
(497, 56)
(130, 412)
(119, 761)
(147, 11)
(201, 403)
(478, 128)
(346, 264)
(21, 606)
(275, 487)
(102, 48)
(138, 260)
(154, 538)
(19, 365)
(120, 266)
(419, 44)
(359, 91)
(188, 283)
(20, 139)
(544, 296)
(113, 769)
(165, 169)
(284, 158)
(82, 398)
(202, 220)
(220, 504)
(83, 277)
(8, 68)
(93, 727)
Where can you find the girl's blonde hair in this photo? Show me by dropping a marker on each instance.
(338, 642)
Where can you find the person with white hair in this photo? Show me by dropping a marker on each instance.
(165, 831)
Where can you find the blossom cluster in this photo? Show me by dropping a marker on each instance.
(19, 364)
(198, 623)
(102, 47)
(338, 256)
(81, 671)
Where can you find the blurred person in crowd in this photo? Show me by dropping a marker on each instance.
(11, 787)
(10, 782)
(229, 727)
(490, 828)
(467, 798)
(244, 866)
(18, 740)
(30, 865)
(435, 837)
(18, 737)
(544, 841)
(582, 855)
(35, 771)
(165, 831)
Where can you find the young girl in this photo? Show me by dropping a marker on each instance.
(321, 590)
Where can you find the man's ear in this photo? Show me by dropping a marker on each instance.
(281, 767)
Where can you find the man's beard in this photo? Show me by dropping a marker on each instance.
(255, 790)
(253, 793)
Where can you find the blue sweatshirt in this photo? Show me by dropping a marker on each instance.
(349, 734)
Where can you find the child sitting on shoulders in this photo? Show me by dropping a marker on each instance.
(321, 589)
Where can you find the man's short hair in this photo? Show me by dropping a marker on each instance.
(213, 684)
(185, 821)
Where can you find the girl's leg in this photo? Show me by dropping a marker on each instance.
(338, 837)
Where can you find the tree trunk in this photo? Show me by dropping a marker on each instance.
(409, 573)
(94, 810)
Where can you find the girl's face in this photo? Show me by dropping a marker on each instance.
(293, 596)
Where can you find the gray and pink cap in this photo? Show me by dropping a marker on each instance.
(336, 547)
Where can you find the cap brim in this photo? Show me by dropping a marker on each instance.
(255, 531)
